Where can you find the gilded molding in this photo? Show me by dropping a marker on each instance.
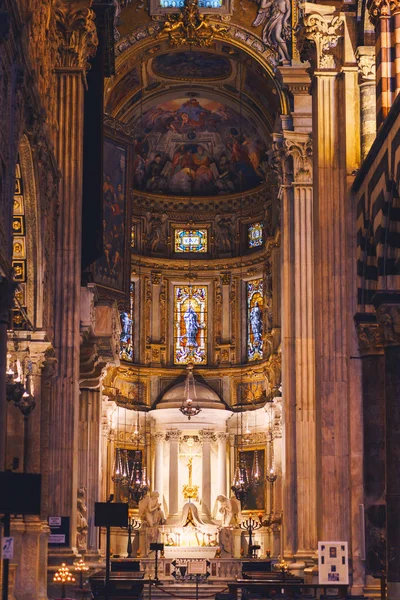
(388, 316)
(366, 63)
(76, 34)
(318, 36)
(370, 338)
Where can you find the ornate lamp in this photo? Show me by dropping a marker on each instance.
(188, 408)
(138, 484)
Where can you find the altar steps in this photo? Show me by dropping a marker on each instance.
(184, 591)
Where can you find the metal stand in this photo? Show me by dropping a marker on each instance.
(108, 552)
(6, 562)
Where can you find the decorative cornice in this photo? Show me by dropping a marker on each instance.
(318, 34)
(76, 34)
(365, 56)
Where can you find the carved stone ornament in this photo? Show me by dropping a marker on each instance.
(388, 316)
(173, 435)
(380, 9)
(370, 338)
(365, 56)
(318, 35)
(76, 33)
(81, 521)
(301, 151)
(191, 27)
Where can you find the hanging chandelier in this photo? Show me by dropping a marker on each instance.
(138, 484)
(188, 408)
(255, 476)
(241, 485)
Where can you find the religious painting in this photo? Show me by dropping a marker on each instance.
(109, 269)
(191, 146)
(255, 301)
(255, 235)
(190, 324)
(190, 240)
(126, 335)
(127, 84)
(250, 393)
(256, 497)
(192, 65)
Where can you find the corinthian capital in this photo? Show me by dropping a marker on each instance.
(299, 147)
(365, 56)
(379, 9)
(388, 316)
(76, 33)
(318, 34)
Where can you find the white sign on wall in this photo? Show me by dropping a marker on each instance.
(333, 563)
(8, 548)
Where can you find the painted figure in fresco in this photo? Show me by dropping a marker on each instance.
(276, 15)
(156, 234)
(225, 182)
(156, 182)
(256, 323)
(224, 237)
(192, 327)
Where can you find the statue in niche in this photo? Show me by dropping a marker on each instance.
(256, 323)
(229, 509)
(224, 236)
(156, 231)
(150, 511)
(81, 520)
(276, 32)
(192, 327)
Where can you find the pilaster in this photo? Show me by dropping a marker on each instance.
(206, 436)
(173, 436)
(77, 41)
(367, 81)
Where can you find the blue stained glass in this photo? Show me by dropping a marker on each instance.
(126, 337)
(181, 3)
(255, 301)
(255, 235)
(190, 240)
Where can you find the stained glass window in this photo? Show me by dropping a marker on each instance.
(190, 240)
(254, 319)
(181, 3)
(190, 324)
(126, 337)
(255, 235)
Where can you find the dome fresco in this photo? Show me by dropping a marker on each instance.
(197, 146)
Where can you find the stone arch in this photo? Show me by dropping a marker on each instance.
(34, 251)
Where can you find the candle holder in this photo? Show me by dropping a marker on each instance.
(63, 576)
(250, 525)
(81, 568)
(133, 525)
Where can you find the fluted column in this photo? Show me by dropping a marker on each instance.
(335, 133)
(77, 41)
(221, 462)
(380, 14)
(206, 436)
(159, 462)
(173, 436)
(298, 147)
(366, 66)
(89, 462)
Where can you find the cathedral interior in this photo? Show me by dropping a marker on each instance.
(199, 299)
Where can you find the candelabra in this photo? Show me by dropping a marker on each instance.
(81, 567)
(132, 526)
(63, 576)
(250, 525)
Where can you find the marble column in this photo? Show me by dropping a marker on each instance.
(89, 465)
(221, 462)
(366, 66)
(298, 148)
(173, 436)
(335, 134)
(388, 316)
(159, 463)
(370, 344)
(206, 436)
(77, 41)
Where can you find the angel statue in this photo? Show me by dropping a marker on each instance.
(229, 509)
(275, 14)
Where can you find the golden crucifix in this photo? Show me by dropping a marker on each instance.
(189, 490)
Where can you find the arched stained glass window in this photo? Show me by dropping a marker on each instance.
(126, 337)
(255, 235)
(255, 301)
(190, 324)
(190, 240)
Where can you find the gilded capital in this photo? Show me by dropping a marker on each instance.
(76, 33)
(370, 338)
(318, 34)
(365, 56)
